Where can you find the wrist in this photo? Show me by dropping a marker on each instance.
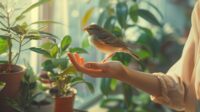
(123, 75)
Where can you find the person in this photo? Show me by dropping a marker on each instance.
(178, 89)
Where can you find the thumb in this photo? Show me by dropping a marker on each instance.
(92, 65)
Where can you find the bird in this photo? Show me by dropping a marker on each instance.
(107, 43)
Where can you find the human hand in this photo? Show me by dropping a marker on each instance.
(113, 69)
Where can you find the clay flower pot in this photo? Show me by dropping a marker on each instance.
(65, 103)
(12, 88)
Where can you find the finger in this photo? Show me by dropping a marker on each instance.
(77, 57)
(92, 71)
(82, 61)
(82, 69)
(73, 60)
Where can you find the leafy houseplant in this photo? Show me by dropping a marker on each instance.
(15, 31)
(32, 94)
(120, 18)
(60, 74)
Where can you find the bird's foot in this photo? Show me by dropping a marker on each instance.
(104, 60)
(108, 57)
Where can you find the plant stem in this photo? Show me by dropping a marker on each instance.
(19, 50)
(26, 42)
(15, 56)
(9, 44)
(15, 39)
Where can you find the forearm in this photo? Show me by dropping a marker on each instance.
(144, 81)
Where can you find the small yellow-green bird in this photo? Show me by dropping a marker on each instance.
(106, 42)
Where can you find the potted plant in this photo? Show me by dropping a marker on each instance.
(32, 96)
(59, 74)
(15, 31)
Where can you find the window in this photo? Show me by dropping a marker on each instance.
(70, 13)
(31, 17)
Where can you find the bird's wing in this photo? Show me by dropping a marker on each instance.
(114, 41)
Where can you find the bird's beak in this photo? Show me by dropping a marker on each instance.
(86, 28)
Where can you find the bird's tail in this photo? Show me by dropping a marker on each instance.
(131, 52)
(136, 57)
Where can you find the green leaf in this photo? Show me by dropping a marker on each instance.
(61, 62)
(117, 32)
(40, 51)
(150, 43)
(47, 45)
(2, 85)
(113, 84)
(3, 45)
(77, 50)
(19, 29)
(3, 37)
(110, 23)
(3, 29)
(3, 62)
(45, 22)
(87, 16)
(3, 25)
(48, 65)
(147, 31)
(66, 42)
(79, 80)
(122, 13)
(143, 54)
(40, 2)
(134, 12)
(155, 8)
(124, 58)
(2, 6)
(76, 81)
(49, 35)
(90, 86)
(105, 86)
(148, 16)
(102, 18)
(40, 97)
(2, 16)
(14, 105)
(143, 39)
(20, 17)
(105, 103)
(33, 36)
(54, 51)
(128, 93)
(69, 70)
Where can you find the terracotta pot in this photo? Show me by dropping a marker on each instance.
(12, 88)
(65, 104)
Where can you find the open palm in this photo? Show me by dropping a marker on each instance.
(113, 69)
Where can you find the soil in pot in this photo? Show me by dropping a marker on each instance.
(12, 88)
